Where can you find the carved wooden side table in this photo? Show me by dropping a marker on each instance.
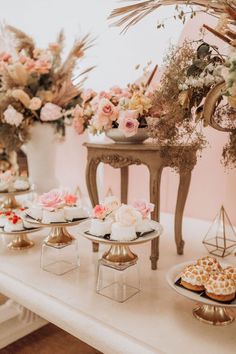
(154, 157)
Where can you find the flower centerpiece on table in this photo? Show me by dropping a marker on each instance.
(123, 108)
(36, 85)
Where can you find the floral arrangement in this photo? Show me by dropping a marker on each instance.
(106, 208)
(191, 70)
(143, 207)
(122, 108)
(37, 86)
(56, 199)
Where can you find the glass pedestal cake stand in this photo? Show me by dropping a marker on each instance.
(119, 255)
(59, 250)
(206, 310)
(9, 201)
(20, 240)
(118, 272)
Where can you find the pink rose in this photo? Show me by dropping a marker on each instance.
(128, 123)
(88, 95)
(143, 207)
(52, 200)
(99, 212)
(70, 199)
(101, 122)
(107, 109)
(104, 94)
(50, 112)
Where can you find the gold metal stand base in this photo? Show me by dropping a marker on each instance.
(119, 256)
(20, 242)
(9, 203)
(214, 315)
(59, 237)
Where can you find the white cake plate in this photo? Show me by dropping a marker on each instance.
(119, 254)
(9, 200)
(207, 310)
(20, 241)
(58, 236)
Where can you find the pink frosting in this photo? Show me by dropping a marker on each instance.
(143, 207)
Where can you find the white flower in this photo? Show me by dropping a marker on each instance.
(128, 216)
(111, 203)
(13, 117)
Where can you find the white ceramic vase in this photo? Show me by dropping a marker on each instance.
(41, 156)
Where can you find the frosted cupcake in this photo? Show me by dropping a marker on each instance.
(100, 225)
(124, 229)
(220, 287)
(145, 210)
(52, 204)
(210, 264)
(21, 184)
(71, 209)
(194, 277)
(4, 215)
(6, 180)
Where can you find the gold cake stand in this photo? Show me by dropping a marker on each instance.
(119, 255)
(206, 310)
(58, 236)
(9, 201)
(20, 240)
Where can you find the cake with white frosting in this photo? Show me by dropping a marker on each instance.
(21, 184)
(14, 223)
(4, 215)
(11, 183)
(100, 223)
(124, 228)
(145, 209)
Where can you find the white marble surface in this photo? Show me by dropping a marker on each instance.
(157, 320)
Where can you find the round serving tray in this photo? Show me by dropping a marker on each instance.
(211, 312)
(54, 224)
(157, 231)
(15, 193)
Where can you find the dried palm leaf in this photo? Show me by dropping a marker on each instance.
(65, 93)
(60, 41)
(77, 52)
(132, 14)
(23, 41)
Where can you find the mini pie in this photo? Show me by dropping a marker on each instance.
(231, 272)
(210, 264)
(220, 287)
(194, 277)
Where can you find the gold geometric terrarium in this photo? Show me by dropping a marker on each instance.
(220, 239)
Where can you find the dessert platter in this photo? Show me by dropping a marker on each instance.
(120, 226)
(10, 187)
(13, 224)
(57, 210)
(211, 284)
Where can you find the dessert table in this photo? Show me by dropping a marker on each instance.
(155, 158)
(156, 320)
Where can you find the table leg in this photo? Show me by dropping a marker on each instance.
(184, 183)
(91, 181)
(155, 183)
(124, 172)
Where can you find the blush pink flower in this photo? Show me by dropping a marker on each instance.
(50, 112)
(104, 94)
(143, 207)
(107, 109)
(101, 122)
(42, 66)
(88, 95)
(99, 212)
(6, 57)
(128, 122)
(52, 200)
(70, 199)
